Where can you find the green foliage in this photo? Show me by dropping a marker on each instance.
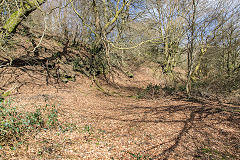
(88, 129)
(98, 63)
(1, 98)
(182, 88)
(210, 153)
(92, 65)
(150, 92)
(52, 121)
(169, 89)
(14, 124)
(81, 65)
(67, 127)
(153, 91)
(138, 156)
(218, 83)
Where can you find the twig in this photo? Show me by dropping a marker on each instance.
(137, 45)
(45, 28)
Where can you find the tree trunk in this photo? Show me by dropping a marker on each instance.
(191, 48)
(17, 17)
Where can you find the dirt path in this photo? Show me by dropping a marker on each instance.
(121, 127)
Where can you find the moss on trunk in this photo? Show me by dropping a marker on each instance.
(16, 18)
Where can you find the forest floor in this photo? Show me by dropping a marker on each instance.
(120, 125)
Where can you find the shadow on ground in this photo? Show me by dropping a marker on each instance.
(192, 130)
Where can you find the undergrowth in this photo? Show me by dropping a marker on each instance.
(150, 92)
(14, 125)
(209, 153)
(139, 156)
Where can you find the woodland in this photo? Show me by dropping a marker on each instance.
(120, 79)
